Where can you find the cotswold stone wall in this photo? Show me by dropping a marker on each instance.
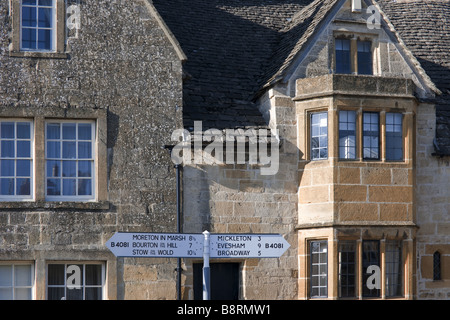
(121, 69)
(433, 203)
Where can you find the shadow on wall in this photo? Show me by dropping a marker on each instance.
(217, 194)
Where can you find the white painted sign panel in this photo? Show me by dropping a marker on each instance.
(247, 245)
(156, 245)
(180, 245)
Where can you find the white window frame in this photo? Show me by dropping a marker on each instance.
(93, 159)
(13, 286)
(53, 27)
(32, 159)
(319, 147)
(83, 281)
(323, 244)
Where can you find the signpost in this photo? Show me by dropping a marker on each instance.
(156, 245)
(206, 245)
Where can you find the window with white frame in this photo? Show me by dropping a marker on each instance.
(319, 269)
(77, 281)
(16, 281)
(38, 24)
(16, 160)
(347, 134)
(319, 136)
(70, 160)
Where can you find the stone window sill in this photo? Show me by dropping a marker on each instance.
(51, 205)
(32, 54)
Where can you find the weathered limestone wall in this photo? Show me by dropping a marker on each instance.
(237, 198)
(121, 63)
(433, 208)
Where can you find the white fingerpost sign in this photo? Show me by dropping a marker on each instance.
(247, 245)
(156, 245)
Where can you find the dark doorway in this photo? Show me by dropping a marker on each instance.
(224, 281)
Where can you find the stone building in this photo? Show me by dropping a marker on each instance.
(89, 92)
(349, 97)
(356, 93)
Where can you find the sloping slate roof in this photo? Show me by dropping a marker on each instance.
(235, 47)
(229, 44)
(294, 37)
(424, 26)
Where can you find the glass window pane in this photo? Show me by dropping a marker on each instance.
(29, 18)
(23, 187)
(5, 275)
(46, 3)
(319, 268)
(85, 169)
(7, 186)
(53, 131)
(84, 150)
(55, 293)
(56, 274)
(7, 168)
(53, 187)
(23, 130)
(74, 294)
(371, 257)
(23, 168)
(69, 187)
(22, 275)
(53, 168)
(6, 293)
(23, 149)
(85, 187)
(93, 274)
(44, 39)
(29, 2)
(394, 137)
(45, 18)
(93, 293)
(394, 286)
(8, 150)
(69, 150)
(69, 131)
(69, 168)
(342, 56)
(28, 38)
(84, 131)
(22, 294)
(319, 136)
(7, 130)
(347, 134)
(53, 149)
(364, 57)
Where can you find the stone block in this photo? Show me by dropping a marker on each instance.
(374, 176)
(348, 175)
(350, 193)
(349, 211)
(394, 212)
(390, 194)
(314, 194)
